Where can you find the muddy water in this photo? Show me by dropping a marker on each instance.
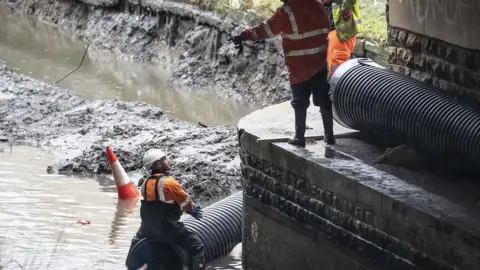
(39, 214)
(42, 52)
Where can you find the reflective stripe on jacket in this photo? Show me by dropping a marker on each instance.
(303, 25)
(346, 28)
(166, 189)
(161, 206)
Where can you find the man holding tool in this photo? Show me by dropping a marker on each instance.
(303, 25)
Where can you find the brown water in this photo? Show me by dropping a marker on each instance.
(39, 214)
(40, 51)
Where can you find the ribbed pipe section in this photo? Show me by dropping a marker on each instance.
(368, 97)
(220, 230)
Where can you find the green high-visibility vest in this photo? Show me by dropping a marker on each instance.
(346, 28)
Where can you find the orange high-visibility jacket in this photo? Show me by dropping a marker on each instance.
(166, 189)
(303, 25)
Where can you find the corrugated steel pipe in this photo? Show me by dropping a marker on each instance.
(220, 230)
(376, 100)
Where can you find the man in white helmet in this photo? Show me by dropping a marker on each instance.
(164, 199)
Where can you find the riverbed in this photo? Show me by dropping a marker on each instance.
(52, 221)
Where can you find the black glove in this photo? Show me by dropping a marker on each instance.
(196, 212)
(237, 40)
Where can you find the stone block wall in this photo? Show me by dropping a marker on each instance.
(301, 214)
(292, 224)
(435, 62)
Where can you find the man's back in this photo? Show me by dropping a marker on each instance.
(309, 15)
(161, 207)
(303, 26)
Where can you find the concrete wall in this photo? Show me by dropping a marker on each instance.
(437, 42)
(330, 208)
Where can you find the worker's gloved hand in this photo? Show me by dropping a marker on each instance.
(347, 14)
(196, 212)
(237, 40)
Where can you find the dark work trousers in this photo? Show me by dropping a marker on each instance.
(318, 87)
(194, 246)
(183, 238)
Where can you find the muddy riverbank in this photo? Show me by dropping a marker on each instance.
(192, 44)
(42, 52)
(44, 115)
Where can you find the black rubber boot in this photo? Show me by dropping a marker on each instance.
(198, 262)
(327, 119)
(300, 126)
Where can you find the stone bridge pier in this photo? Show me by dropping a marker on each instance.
(331, 207)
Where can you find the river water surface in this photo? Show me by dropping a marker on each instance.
(41, 51)
(39, 215)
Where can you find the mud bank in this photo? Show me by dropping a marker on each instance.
(192, 44)
(36, 113)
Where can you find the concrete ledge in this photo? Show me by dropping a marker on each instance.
(376, 216)
(276, 123)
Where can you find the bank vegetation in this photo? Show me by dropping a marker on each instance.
(373, 13)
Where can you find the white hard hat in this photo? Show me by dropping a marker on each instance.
(151, 156)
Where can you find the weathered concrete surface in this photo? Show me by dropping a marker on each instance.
(278, 122)
(332, 208)
(192, 44)
(40, 114)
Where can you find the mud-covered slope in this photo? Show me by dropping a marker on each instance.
(44, 115)
(193, 44)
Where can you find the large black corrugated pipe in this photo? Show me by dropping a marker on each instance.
(370, 98)
(220, 230)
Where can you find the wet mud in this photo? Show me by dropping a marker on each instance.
(36, 113)
(189, 44)
(42, 52)
(193, 45)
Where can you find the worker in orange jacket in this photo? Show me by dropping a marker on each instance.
(303, 25)
(345, 24)
(163, 201)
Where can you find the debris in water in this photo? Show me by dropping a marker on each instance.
(83, 222)
(50, 170)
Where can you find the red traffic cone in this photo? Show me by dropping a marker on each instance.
(125, 188)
